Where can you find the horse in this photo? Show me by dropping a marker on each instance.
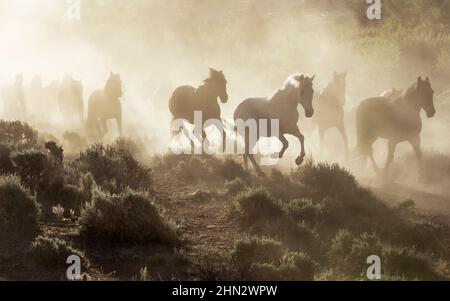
(282, 106)
(330, 108)
(13, 97)
(396, 120)
(105, 105)
(70, 99)
(186, 100)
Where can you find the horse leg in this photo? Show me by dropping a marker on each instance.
(103, 128)
(321, 139)
(372, 159)
(391, 151)
(248, 155)
(245, 162)
(258, 169)
(224, 140)
(296, 133)
(285, 143)
(341, 128)
(119, 125)
(415, 143)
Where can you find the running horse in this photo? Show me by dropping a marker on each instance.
(330, 108)
(70, 99)
(282, 106)
(105, 105)
(186, 100)
(396, 120)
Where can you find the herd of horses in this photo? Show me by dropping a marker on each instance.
(67, 96)
(395, 115)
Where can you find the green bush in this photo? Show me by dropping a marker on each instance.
(257, 204)
(52, 254)
(407, 263)
(30, 165)
(293, 267)
(265, 215)
(230, 170)
(6, 166)
(234, 187)
(126, 218)
(17, 134)
(19, 211)
(256, 250)
(325, 179)
(264, 259)
(114, 169)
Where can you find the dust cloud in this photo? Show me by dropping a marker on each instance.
(156, 43)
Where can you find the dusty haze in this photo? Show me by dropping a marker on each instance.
(256, 43)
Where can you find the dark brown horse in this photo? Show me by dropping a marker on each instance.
(105, 105)
(186, 100)
(396, 120)
(330, 108)
(70, 99)
(298, 89)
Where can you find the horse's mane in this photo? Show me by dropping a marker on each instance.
(409, 94)
(214, 75)
(292, 82)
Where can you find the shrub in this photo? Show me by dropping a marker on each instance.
(265, 215)
(126, 218)
(265, 259)
(214, 266)
(55, 150)
(234, 187)
(114, 169)
(408, 264)
(283, 187)
(258, 204)
(326, 180)
(256, 250)
(30, 165)
(303, 210)
(19, 211)
(348, 254)
(6, 165)
(229, 170)
(17, 134)
(293, 267)
(52, 253)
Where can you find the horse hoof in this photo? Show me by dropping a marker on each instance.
(299, 160)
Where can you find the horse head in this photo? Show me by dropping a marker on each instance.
(305, 93)
(339, 84)
(425, 94)
(113, 86)
(218, 84)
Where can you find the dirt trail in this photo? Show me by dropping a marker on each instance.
(204, 218)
